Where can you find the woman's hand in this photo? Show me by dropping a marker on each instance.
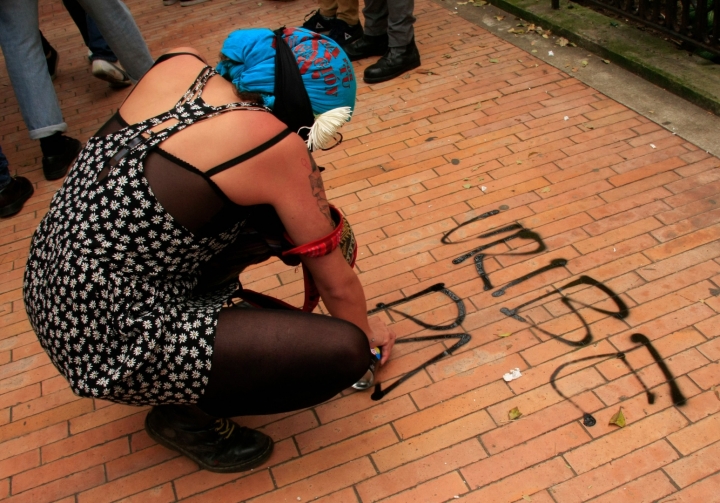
(381, 336)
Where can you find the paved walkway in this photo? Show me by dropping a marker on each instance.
(483, 126)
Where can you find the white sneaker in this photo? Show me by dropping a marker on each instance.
(110, 72)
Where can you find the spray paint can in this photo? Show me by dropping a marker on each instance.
(367, 380)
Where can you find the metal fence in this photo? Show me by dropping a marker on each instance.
(696, 22)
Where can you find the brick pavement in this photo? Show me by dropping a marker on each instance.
(619, 197)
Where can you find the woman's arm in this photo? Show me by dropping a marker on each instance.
(287, 177)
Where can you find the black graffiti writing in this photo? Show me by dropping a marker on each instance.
(621, 313)
(438, 287)
(641, 341)
(379, 393)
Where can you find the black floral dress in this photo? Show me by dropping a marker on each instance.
(109, 281)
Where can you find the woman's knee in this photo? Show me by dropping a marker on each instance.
(355, 349)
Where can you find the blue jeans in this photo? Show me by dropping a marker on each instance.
(90, 32)
(25, 59)
(4, 171)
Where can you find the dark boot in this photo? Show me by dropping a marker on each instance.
(344, 34)
(366, 46)
(395, 62)
(14, 195)
(217, 445)
(58, 153)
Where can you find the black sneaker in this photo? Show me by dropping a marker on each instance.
(318, 23)
(395, 62)
(366, 46)
(222, 446)
(56, 166)
(344, 34)
(14, 195)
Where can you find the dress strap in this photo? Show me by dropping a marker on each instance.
(250, 153)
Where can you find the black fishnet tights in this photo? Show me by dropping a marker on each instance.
(268, 361)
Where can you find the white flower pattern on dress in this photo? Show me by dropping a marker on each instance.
(109, 279)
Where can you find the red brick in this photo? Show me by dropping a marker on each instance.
(696, 466)
(138, 482)
(444, 488)
(159, 494)
(519, 458)
(322, 436)
(705, 490)
(418, 471)
(334, 455)
(322, 484)
(247, 487)
(52, 471)
(618, 472)
(625, 440)
(525, 483)
(449, 410)
(439, 438)
(696, 436)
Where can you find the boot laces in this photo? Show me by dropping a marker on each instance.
(224, 427)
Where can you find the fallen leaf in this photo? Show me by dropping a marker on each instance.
(461, 3)
(533, 42)
(545, 35)
(518, 161)
(534, 50)
(572, 44)
(526, 497)
(562, 41)
(481, 179)
(466, 179)
(514, 414)
(618, 419)
(506, 334)
(546, 189)
(467, 185)
(493, 60)
(479, 106)
(532, 154)
(447, 56)
(499, 18)
(588, 126)
(584, 62)
(475, 168)
(574, 69)
(717, 393)
(606, 61)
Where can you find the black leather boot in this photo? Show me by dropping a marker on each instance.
(56, 166)
(395, 62)
(14, 195)
(217, 445)
(366, 46)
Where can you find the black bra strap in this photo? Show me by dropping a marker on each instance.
(169, 55)
(251, 153)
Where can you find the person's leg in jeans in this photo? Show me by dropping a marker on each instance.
(27, 68)
(28, 72)
(122, 34)
(13, 191)
(102, 58)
